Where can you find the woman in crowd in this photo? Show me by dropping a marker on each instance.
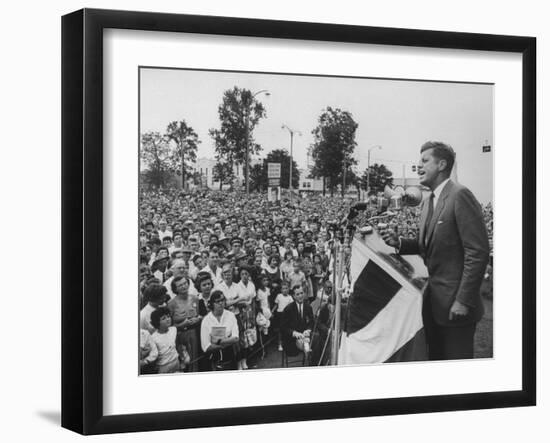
(286, 265)
(184, 309)
(220, 333)
(318, 273)
(246, 316)
(204, 285)
(263, 296)
(274, 273)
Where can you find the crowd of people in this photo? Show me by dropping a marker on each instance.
(221, 275)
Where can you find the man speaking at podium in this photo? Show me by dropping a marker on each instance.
(454, 244)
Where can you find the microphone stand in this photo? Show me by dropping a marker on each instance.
(337, 283)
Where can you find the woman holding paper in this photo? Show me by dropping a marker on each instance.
(220, 333)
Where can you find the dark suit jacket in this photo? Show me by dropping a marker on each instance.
(455, 251)
(291, 321)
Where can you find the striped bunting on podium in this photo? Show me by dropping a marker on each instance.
(384, 322)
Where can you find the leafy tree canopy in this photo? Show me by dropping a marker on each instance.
(333, 145)
(378, 178)
(157, 158)
(185, 141)
(239, 113)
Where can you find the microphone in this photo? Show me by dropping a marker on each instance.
(360, 206)
(394, 198)
(353, 212)
(399, 197)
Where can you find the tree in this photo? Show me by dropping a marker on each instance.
(333, 146)
(223, 173)
(258, 177)
(156, 155)
(239, 113)
(378, 178)
(186, 141)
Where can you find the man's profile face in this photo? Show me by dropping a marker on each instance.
(429, 168)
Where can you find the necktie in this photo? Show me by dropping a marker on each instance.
(300, 309)
(429, 216)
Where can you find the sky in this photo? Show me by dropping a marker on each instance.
(397, 115)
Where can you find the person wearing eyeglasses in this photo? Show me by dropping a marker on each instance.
(220, 333)
(179, 269)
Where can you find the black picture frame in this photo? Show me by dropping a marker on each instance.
(82, 220)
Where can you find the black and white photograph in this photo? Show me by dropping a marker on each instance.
(290, 220)
(274, 221)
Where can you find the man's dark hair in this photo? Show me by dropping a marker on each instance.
(163, 248)
(155, 241)
(155, 292)
(441, 151)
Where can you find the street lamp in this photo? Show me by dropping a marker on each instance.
(292, 132)
(368, 166)
(247, 159)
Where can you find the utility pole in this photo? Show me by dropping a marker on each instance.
(291, 132)
(368, 166)
(246, 139)
(344, 179)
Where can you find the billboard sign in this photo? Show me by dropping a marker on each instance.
(274, 170)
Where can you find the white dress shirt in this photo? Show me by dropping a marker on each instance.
(437, 191)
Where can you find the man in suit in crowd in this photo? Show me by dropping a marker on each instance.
(454, 244)
(297, 323)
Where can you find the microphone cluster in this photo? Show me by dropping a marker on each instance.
(394, 199)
